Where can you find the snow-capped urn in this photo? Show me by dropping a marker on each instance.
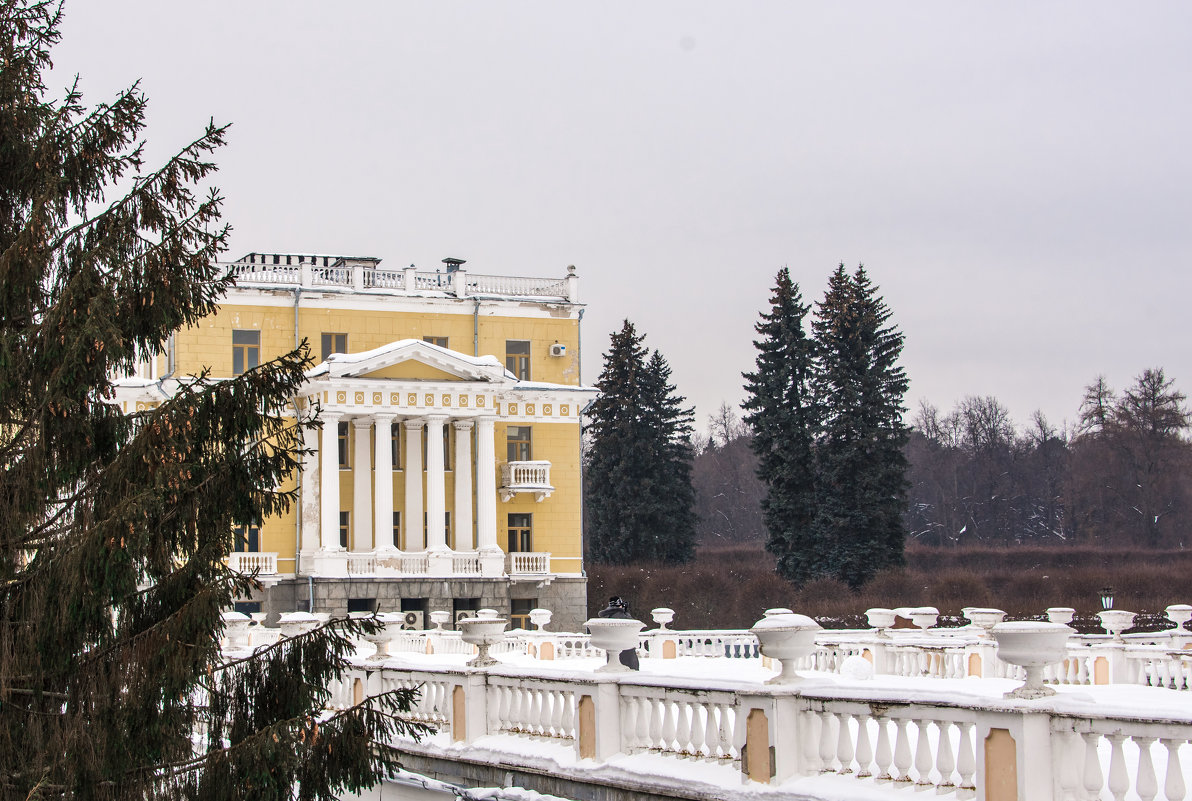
(1032, 645)
(294, 623)
(881, 619)
(390, 623)
(483, 632)
(662, 616)
(540, 618)
(786, 638)
(1115, 621)
(1179, 614)
(924, 616)
(778, 610)
(440, 617)
(487, 613)
(1061, 614)
(614, 635)
(236, 629)
(984, 619)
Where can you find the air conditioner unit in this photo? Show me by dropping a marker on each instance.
(463, 613)
(558, 350)
(412, 620)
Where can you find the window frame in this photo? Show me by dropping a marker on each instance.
(345, 528)
(516, 361)
(440, 341)
(525, 446)
(330, 343)
(522, 530)
(243, 351)
(343, 441)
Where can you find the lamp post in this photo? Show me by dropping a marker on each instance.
(1106, 594)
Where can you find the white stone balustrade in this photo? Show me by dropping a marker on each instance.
(532, 477)
(263, 564)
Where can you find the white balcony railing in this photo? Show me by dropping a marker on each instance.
(533, 477)
(528, 564)
(264, 564)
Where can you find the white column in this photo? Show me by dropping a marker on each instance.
(309, 508)
(486, 486)
(383, 484)
(412, 514)
(362, 486)
(463, 484)
(436, 500)
(329, 483)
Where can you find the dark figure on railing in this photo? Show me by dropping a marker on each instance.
(618, 608)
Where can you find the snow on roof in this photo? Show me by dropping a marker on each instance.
(364, 356)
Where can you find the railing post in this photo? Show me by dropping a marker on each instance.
(357, 277)
(607, 720)
(409, 278)
(1014, 756)
(572, 285)
(304, 274)
(474, 702)
(459, 281)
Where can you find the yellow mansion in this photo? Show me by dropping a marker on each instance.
(446, 472)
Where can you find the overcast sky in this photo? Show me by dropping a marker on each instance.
(1016, 177)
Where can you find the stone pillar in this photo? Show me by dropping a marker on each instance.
(383, 484)
(412, 516)
(464, 540)
(310, 492)
(362, 486)
(492, 559)
(329, 483)
(436, 501)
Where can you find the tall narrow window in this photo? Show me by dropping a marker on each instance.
(334, 343)
(343, 446)
(345, 522)
(440, 341)
(521, 538)
(518, 443)
(246, 350)
(248, 539)
(395, 447)
(519, 612)
(396, 527)
(517, 358)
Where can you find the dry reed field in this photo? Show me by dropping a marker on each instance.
(730, 586)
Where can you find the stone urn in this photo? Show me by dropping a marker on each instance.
(483, 632)
(440, 617)
(881, 619)
(540, 618)
(984, 619)
(487, 613)
(236, 629)
(924, 616)
(294, 623)
(390, 623)
(1179, 614)
(787, 638)
(1115, 621)
(1061, 614)
(1032, 645)
(662, 616)
(614, 635)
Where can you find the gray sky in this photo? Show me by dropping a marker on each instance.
(1016, 176)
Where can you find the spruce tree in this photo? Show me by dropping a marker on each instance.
(859, 385)
(638, 499)
(115, 526)
(784, 421)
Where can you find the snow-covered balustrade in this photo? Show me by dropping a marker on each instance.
(531, 477)
(261, 563)
(528, 563)
(722, 643)
(868, 739)
(362, 564)
(516, 286)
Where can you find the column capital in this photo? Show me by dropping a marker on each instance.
(362, 421)
(327, 416)
(413, 423)
(486, 419)
(384, 417)
(437, 418)
(462, 425)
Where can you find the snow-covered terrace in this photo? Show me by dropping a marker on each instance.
(364, 274)
(700, 721)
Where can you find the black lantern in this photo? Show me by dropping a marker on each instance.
(1106, 594)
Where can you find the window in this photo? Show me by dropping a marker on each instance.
(518, 443)
(246, 350)
(362, 605)
(521, 533)
(440, 341)
(517, 358)
(396, 527)
(248, 539)
(446, 447)
(519, 612)
(345, 522)
(334, 343)
(343, 446)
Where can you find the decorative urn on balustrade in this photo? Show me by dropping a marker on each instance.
(613, 635)
(787, 638)
(1032, 645)
(483, 632)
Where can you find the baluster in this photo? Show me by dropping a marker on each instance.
(812, 723)
(923, 760)
(1146, 785)
(1093, 779)
(697, 728)
(520, 708)
(1066, 761)
(669, 725)
(656, 714)
(738, 732)
(902, 751)
(558, 700)
(883, 757)
(945, 762)
(724, 738)
(844, 743)
(568, 720)
(827, 743)
(966, 759)
(711, 732)
(1082, 670)
(536, 712)
(1173, 785)
(1118, 782)
(644, 708)
(629, 719)
(864, 752)
(683, 729)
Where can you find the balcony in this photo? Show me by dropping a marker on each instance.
(527, 564)
(263, 564)
(533, 477)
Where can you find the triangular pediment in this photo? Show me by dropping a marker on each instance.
(413, 359)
